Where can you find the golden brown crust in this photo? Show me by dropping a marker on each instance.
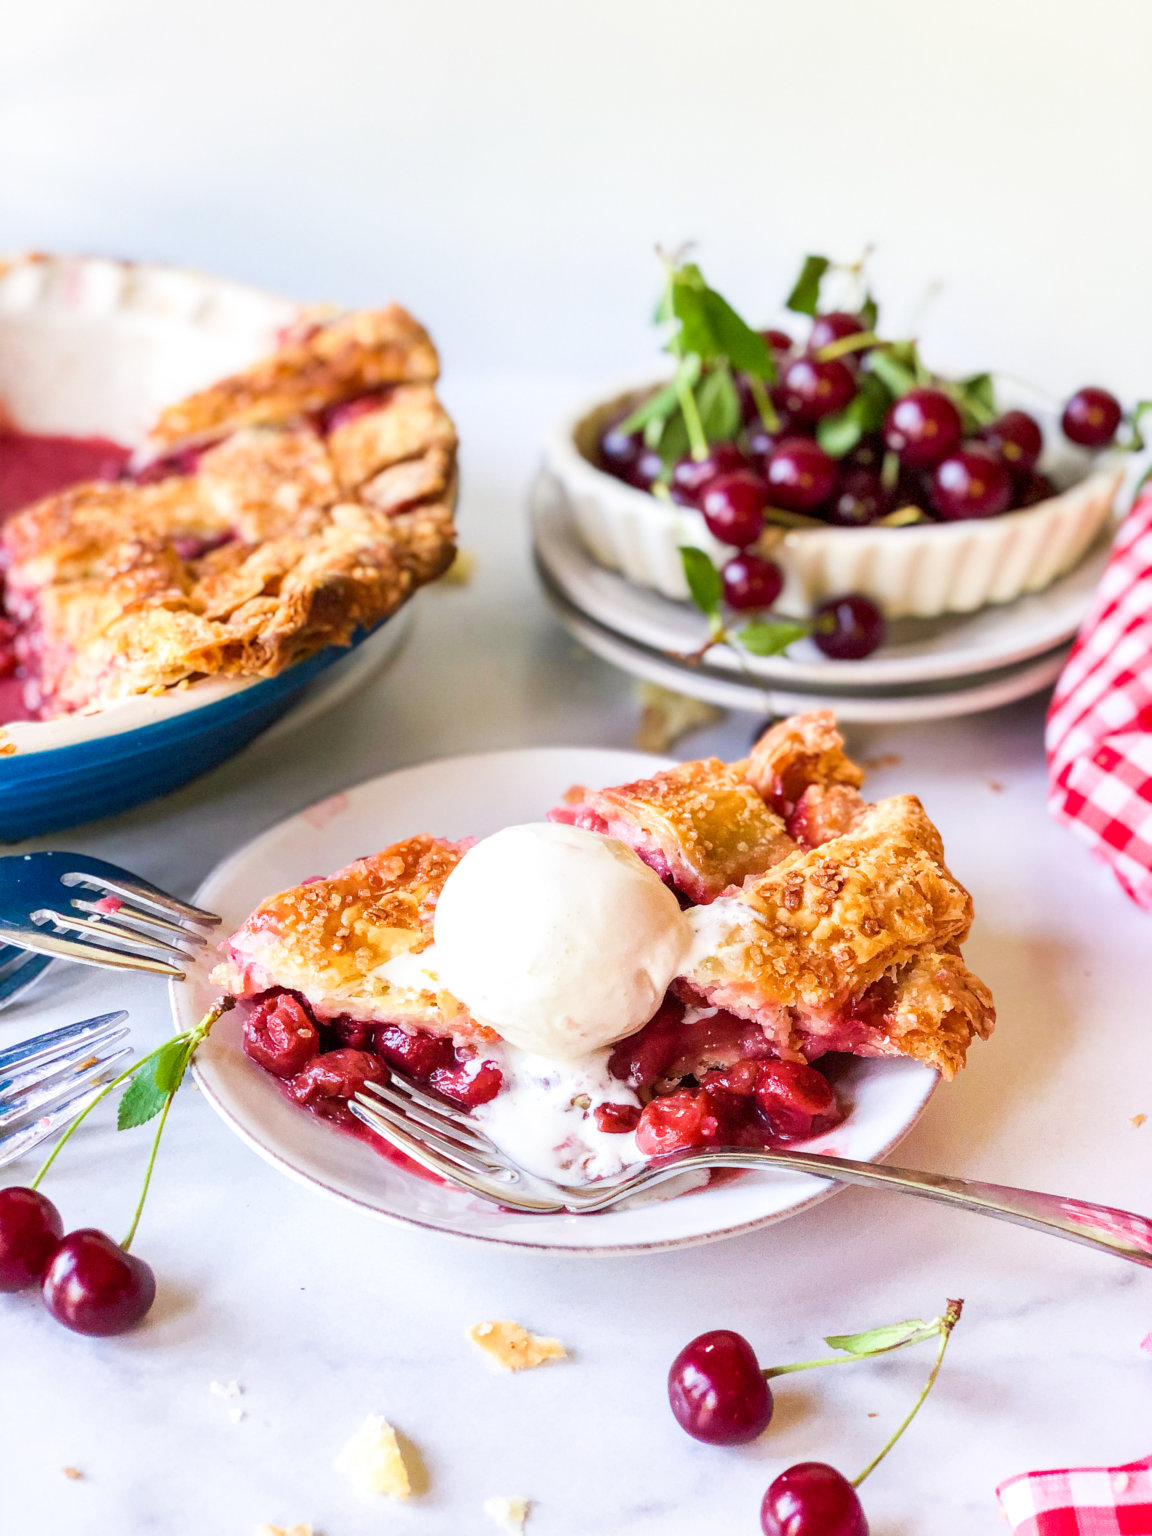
(938, 1008)
(805, 749)
(328, 938)
(702, 819)
(408, 421)
(430, 476)
(822, 925)
(348, 356)
(263, 555)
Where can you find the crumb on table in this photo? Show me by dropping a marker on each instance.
(513, 1348)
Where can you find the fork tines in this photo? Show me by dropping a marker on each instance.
(435, 1134)
(90, 910)
(48, 1080)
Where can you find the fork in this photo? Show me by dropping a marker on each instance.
(89, 910)
(450, 1143)
(49, 1079)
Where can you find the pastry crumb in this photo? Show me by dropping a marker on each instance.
(508, 1515)
(73, 1474)
(882, 760)
(237, 1415)
(222, 1389)
(667, 716)
(373, 1461)
(1138, 1120)
(513, 1348)
(283, 1530)
(995, 786)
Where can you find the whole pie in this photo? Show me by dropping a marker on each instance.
(284, 509)
(825, 925)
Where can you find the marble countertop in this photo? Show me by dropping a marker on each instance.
(323, 1316)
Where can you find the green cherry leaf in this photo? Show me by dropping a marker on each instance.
(805, 296)
(865, 413)
(172, 1063)
(869, 312)
(877, 1340)
(897, 374)
(839, 434)
(703, 580)
(771, 639)
(661, 404)
(672, 442)
(977, 400)
(1138, 441)
(142, 1098)
(719, 405)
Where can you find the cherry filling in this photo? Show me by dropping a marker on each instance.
(324, 1064)
(706, 1079)
(350, 410)
(712, 1080)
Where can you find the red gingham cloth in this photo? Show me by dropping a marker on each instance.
(1081, 1501)
(1099, 734)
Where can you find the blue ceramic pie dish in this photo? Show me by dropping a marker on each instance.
(103, 771)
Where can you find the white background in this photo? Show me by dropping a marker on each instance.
(506, 166)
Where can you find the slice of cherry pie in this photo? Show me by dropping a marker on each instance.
(820, 924)
(283, 509)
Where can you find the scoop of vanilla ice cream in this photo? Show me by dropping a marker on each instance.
(560, 940)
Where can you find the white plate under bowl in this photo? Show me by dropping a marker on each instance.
(453, 798)
(939, 701)
(915, 651)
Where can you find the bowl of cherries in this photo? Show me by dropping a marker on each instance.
(825, 461)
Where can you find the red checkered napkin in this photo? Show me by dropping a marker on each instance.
(1080, 1501)
(1099, 735)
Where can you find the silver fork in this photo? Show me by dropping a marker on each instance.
(48, 1080)
(450, 1143)
(92, 911)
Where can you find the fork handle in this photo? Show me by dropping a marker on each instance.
(1122, 1233)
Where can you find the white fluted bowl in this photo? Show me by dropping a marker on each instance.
(922, 571)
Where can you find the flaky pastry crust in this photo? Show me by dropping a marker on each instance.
(700, 824)
(305, 520)
(328, 939)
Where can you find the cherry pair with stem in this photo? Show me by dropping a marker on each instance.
(719, 1393)
(89, 1282)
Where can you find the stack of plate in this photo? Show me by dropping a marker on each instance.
(927, 669)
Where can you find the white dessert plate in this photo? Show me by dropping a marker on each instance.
(455, 797)
(930, 701)
(916, 651)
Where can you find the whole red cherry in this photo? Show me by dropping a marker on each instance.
(922, 427)
(30, 1228)
(92, 1286)
(812, 1499)
(716, 1390)
(1091, 417)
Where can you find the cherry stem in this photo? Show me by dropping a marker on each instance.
(126, 1244)
(930, 1331)
(717, 635)
(763, 401)
(856, 342)
(88, 1108)
(947, 1323)
(697, 438)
